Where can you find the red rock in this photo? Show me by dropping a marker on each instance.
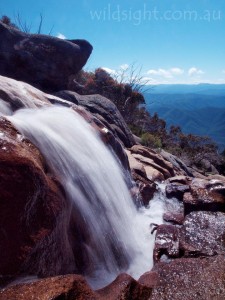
(125, 287)
(176, 190)
(175, 218)
(31, 208)
(60, 287)
(166, 242)
(149, 157)
(145, 188)
(149, 279)
(191, 278)
(205, 195)
(180, 179)
(203, 233)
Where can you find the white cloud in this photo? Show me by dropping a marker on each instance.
(124, 67)
(194, 71)
(177, 71)
(108, 70)
(170, 73)
(61, 36)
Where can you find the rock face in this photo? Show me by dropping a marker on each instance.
(60, 287)
(74, 287)
(125, 287)
(190, 278)
(17, 94)
(153, 163)
(105, 111)
(45, 62)
(32, 208)
(203, 233)
(145, 187)
(147, 166)
(179, 166)
(205, 195)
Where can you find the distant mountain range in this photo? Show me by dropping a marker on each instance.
(198, 109)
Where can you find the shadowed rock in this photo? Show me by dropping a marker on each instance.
(105, 110)
(206, 195)
(44, 61)
(32, 206)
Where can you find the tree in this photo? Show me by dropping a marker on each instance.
(126, 99)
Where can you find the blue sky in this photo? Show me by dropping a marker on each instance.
(175, 41)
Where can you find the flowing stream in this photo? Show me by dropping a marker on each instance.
(119, 234)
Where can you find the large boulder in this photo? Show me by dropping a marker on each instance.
(153, 165)
(74, 287)
(33, 210)
(178, 165)
(17, 94)
(60, 287)
(145, 187)
(44, 61)
(205, 194)
(125, 287)
(203, 234)
(188, 279)
(105, 111)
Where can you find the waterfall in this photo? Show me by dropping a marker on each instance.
(118, 235)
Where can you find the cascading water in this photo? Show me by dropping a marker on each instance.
(119, 236)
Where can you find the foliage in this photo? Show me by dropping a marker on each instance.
(22, 25)
(151, 140)
(122, 94)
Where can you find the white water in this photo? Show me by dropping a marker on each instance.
(119, 234)
(4, 108)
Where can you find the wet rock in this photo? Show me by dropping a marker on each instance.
(16, 94)
(174, 218)
(145, 187)
(125, 287)
(60, 287)
(32, 206)
(203, 233)
(176, 190)
(217, 177)
(149, 279)
(44, 61)
(75, 287)
(166, 242)
(180, 179)
(205, 195)
(191, 278)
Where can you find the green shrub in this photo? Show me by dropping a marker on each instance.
(149, 140)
